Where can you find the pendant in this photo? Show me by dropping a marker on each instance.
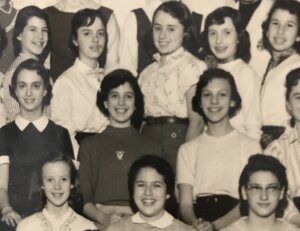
(120, 154)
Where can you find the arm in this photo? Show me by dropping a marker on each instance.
(196, 122)
(228, 218)
(128, 51)
(113, 32)
(9, 216)
(186, 207)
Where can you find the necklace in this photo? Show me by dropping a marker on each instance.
(122, 142)
(120, 154)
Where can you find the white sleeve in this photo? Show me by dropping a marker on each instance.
(128, 51)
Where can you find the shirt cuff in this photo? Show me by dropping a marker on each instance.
(4, 160)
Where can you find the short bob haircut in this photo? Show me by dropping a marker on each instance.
(32, 65)
(292, 79)
(75, 199)
(217, 17)
(3, 40)
(182, 13)
(205, 79)
(82, 18)
(115, 79)
(260, 162)
(161, 165)
(21, 21)
(293, 7)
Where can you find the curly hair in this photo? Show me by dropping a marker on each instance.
(205, 79)
(293, 7)
(217, 17)
(260, 162)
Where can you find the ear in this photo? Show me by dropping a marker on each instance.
(232, 103)
(45, 92)
(75, 42)
(244, 194)
(168, 196)
(282, 193)
(42, 187)
(105, 104)
(297, 39)
(288, 107)
(72, 186)
(19, 37)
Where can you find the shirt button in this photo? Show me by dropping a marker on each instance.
(173, 135)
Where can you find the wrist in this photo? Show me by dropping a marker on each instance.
(5, 210)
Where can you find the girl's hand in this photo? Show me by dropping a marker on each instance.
(205, 226)
(10, 216)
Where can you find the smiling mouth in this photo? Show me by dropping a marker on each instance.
(96, 48)
(57, 195)
(148, 202)
(214, 109)
(29, 100)
(220, 49)
(279, 40)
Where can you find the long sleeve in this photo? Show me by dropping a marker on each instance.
(113, 31)
(128, 51)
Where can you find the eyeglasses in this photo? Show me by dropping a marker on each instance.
(256, 190)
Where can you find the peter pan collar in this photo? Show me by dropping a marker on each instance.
(163, 222)
(40, 124)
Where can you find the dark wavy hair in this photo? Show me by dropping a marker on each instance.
(292, 79)
(260, 162)
(217, 17)
(87, 17)
(21, 21)
(293, 7)
(32, 65)
(115, 79)
(205, 79)
(182, 13)
(163, 168)
(75, 198)
(3, 40)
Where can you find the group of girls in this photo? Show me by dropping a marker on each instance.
(217, 111)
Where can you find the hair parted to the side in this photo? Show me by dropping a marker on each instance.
(163, 168)
(115, 79)
(75, 199)
(181, 12)
(217, 17)
(205, 79)
(32, 65)
(82, 18)
(260, 162)
(293, 7)
(292, 79)
(23, 16)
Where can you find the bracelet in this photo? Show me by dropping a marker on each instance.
(6, 210)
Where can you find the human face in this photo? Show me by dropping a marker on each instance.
(223, 40)
(56, 185)
(168, 33)
(91, 42)
(120, 104)
(293, 103)
(34, 37)
(263, 193)
(283, 30)
(30, 92)
(150, 193)
(216, 100)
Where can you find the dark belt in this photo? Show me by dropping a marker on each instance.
(166, 120)
(273, 130)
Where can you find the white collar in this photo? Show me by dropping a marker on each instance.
(173, 55)
(40, 124)
(163, 222)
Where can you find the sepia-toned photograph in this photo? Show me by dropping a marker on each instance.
(149, 115)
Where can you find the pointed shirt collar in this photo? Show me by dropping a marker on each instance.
(163, 222)
(40, 124)
(173, 55)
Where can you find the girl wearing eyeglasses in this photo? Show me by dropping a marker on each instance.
(262, 188)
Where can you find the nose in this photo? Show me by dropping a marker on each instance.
(214, 99)
(28, 91)
(148, 190)
(162, 33)
(121, 101)
(57, 184)
(219, 38)
(96, 38)
(281, 29)
(263, 194)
